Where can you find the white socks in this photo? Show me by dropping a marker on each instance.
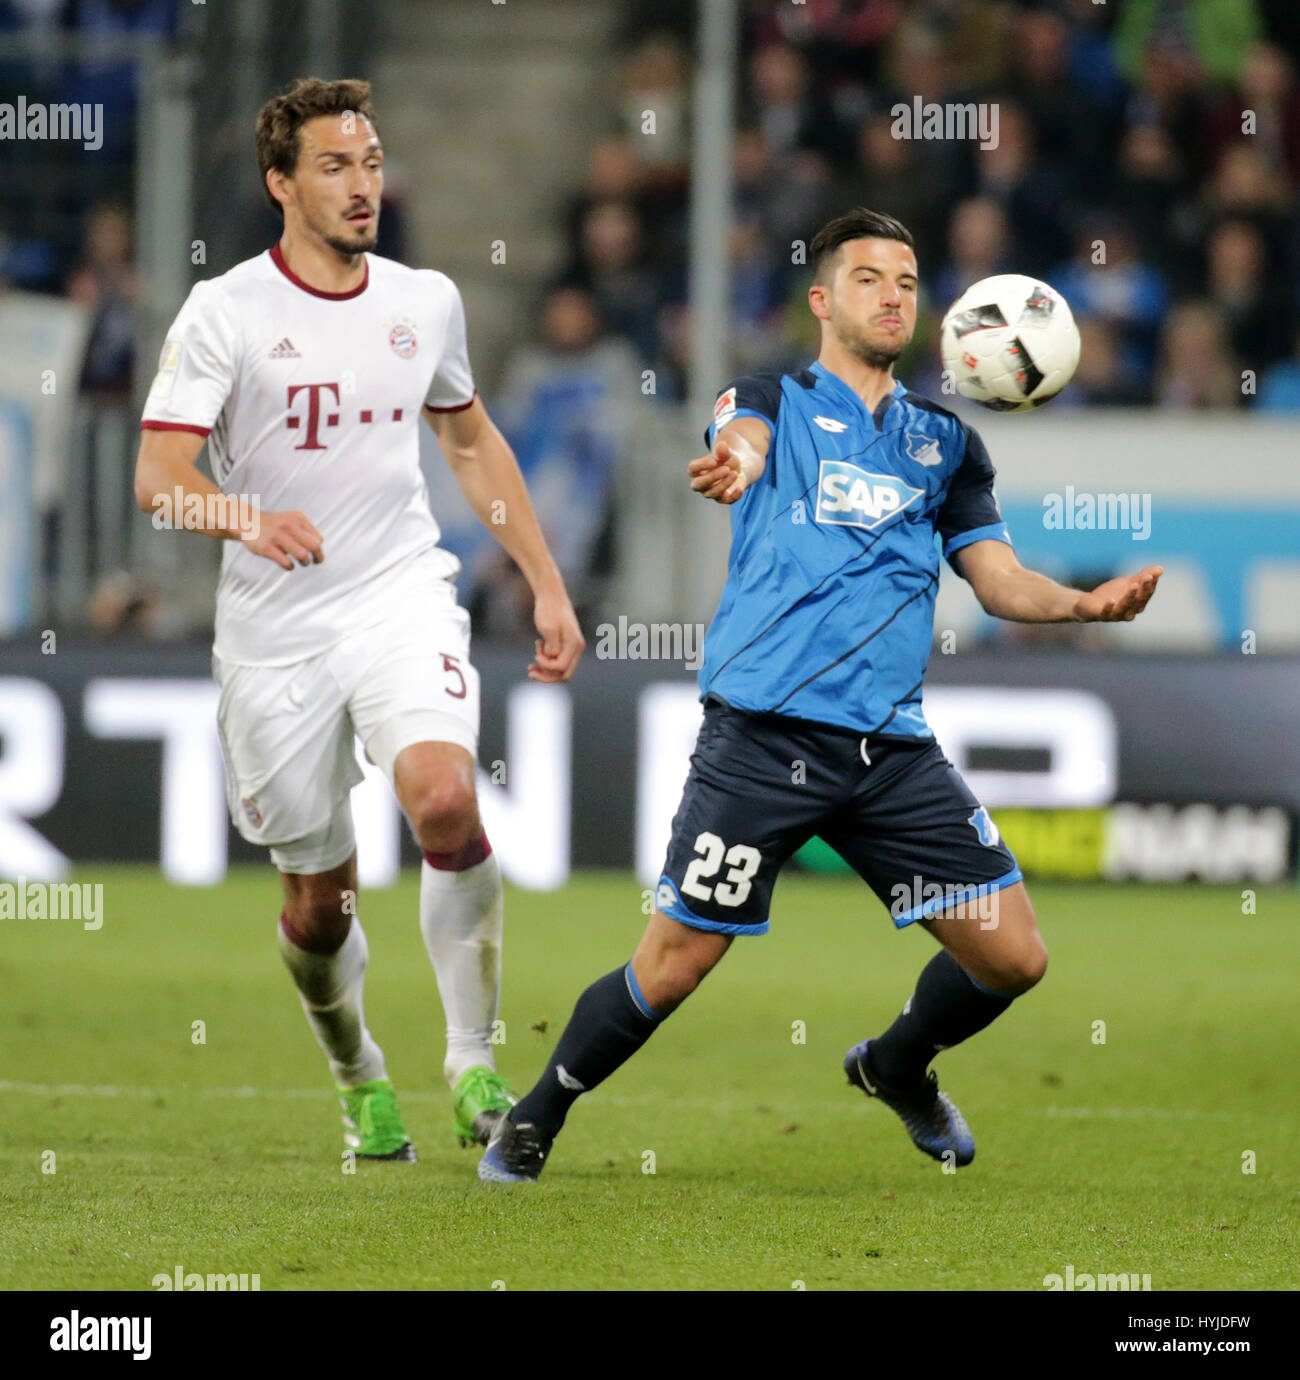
(329, 986)
(461, 919)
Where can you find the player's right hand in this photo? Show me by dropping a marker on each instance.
(719, 475)
(288, 539)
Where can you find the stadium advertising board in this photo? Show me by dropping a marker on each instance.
(1098, 767)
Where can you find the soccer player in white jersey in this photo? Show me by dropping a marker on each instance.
(306, 370)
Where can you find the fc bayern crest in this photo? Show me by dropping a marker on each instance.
(402, 339)
(251, 812)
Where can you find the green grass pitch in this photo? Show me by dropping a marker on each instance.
(1117, 1157)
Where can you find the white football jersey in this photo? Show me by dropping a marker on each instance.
(311, 400)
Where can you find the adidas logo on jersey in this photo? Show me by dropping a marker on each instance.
(285, 350)
(851, 497)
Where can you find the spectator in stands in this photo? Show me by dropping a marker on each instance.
(654, 84)
(887, 174)
(125, 605)
(1034, 192)
(1102, 380)
(1153, 183)
(614, 265)
(106, 281)
(616, 174)
(792, 110)
(841, 42)
(1215, 34)
(980, 243)
(1263, 112)
(1058, 116)
(1245, 187)
(561, 406)
(1197, 369)
(1106, 279)
(1238, 283)
(787, 196)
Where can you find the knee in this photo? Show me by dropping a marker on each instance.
(670, 982)
(444, 816)
(318, 922)
(670, 973)
(1023, 969)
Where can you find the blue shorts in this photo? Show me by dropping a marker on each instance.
(761, 785)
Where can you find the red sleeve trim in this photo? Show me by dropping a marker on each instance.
(175, 426)
(460, 407)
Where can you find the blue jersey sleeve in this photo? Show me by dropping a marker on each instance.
(756, 396)
(970, 511)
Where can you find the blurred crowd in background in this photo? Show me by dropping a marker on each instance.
(1126, 172)
(1147, 165)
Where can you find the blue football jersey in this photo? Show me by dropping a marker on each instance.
(828, 609)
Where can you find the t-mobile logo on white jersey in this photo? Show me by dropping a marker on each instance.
(314, 418)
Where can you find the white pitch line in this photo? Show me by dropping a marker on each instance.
(437, 1095)
(1098, 1113)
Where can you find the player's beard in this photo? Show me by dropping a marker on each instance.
(347, 248)
(872, 354)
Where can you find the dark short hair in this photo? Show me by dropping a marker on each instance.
(280, 121)
(858, 224)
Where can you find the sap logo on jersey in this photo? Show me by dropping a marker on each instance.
(853, 497)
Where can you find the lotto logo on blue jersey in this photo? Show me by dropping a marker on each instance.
(854, 497)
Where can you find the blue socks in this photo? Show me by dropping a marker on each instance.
(948, 1006)
(610, 1022)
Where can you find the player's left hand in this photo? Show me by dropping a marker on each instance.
(1119, 600)
(561, 642)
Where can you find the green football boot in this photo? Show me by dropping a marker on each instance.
(373, 1125)
(478, 1101)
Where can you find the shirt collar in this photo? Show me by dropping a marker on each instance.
(838, 386)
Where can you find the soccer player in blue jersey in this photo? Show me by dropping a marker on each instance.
(839, 481)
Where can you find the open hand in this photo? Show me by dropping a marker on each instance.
(1119, 600)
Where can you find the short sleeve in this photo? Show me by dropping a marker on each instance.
(757, 396)
(970, 511)
(452, 388)
(196, 367)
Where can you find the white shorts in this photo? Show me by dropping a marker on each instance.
(287, 732)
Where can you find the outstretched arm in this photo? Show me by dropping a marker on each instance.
(1007, 590)
(488, 474)
(737, 460)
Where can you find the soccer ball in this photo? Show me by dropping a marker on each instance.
(1010, 343)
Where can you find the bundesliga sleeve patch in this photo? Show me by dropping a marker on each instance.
(165, 379)
(725, 408)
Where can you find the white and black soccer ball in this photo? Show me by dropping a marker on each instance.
(1010, 343)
